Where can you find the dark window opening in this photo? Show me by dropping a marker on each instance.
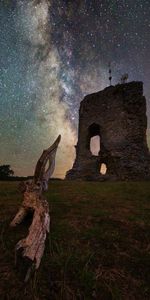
(93, 139)
(94, 129)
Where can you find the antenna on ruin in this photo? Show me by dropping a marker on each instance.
(110, 74)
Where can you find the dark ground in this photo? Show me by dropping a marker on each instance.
(98, 248)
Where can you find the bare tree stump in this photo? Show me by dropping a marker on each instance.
(33, 245)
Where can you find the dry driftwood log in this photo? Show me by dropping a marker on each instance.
(33, 245)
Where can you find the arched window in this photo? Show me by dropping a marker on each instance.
(94, 145)
(93, 139)
(103, 169)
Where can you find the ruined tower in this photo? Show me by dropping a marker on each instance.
(117, 116)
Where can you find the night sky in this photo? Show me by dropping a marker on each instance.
(53, 53)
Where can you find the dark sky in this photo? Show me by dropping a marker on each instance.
(52, 53)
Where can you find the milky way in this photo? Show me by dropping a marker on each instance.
(52, 54)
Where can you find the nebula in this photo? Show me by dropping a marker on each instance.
(43, 92)
(51, 113)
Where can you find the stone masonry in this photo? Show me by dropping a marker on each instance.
(118, 116)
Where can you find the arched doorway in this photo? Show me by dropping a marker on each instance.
(93, 139)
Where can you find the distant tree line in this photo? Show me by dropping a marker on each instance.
(6, 172)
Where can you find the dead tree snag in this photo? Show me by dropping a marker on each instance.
(33, 245)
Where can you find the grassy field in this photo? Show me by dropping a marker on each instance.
(98, 248)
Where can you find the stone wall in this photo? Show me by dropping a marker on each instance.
(118, 115)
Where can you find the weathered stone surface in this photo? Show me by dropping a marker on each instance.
(118, 115)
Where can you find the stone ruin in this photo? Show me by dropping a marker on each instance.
(117, 116)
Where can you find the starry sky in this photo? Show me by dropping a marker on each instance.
(53, 53)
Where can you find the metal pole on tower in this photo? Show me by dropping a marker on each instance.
(110, 74)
